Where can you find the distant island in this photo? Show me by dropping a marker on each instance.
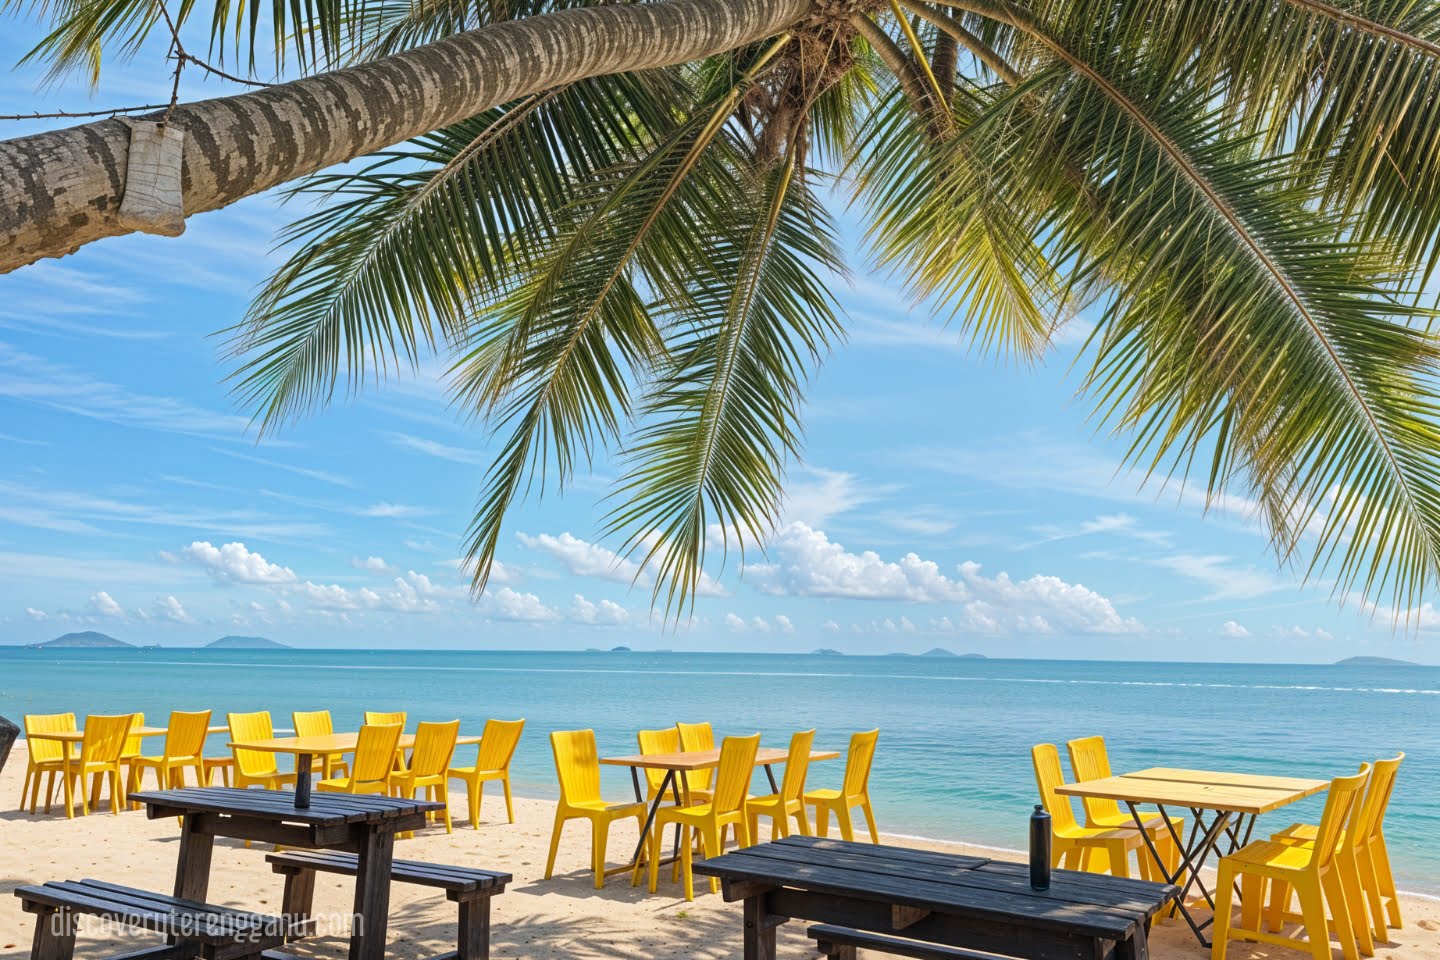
(826, 652)
(86, 638)
(246, 643)
(621, 649)
(941, 652)
(1375, 662)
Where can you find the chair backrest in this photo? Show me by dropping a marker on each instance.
(385, 719)
(857, 762)
(45, 750)
(375, 752)
(252, 726)
(497, 744)
(1342, 809)
(434, 745)
(737, 766)
(577, 764)
(1090, 761)
(186, 733)
(797, 765)
(697, 736)
(653, 742)
(1048, 776)
(105, 737)
(133, 744)
(313, 723)
(1377, 799)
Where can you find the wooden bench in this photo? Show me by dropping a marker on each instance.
(840, 943)
(469, 887)
(193, 929)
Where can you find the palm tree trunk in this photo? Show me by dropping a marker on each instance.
(63, 189)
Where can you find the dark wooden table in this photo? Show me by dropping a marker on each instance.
(365, 826)
(964, 902)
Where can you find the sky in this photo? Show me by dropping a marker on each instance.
(946, 498)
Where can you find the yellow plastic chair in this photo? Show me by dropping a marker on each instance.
(222, 764)
(429, 765)
(1072, 845)
(1368, 855)
(492, 762)
(317, 723)
(374, 762)
(184, 743)
(651, 743)
(1089, 760)
(695, 784)
(577, 764)
(1309, 870)
(383, 718)
(255, 768)
(45, 756)
(709, 821)
(100, 758)
(790, 801)
(134, 745)
(854, 791)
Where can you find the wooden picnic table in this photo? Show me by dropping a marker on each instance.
(961, 902)
(305, 749)
(363, 825)
(686, 761)
(1225, 807)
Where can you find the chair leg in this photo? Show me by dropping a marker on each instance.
(509, 804)
(1224, 892)
(869, 812)
(554, 843)
(1334, 891)
(473, 790)
(1386, 880)
(1252, 892)
(1119, 859)
(802, 821)
(822, 820)
(714, 845)
(653, 867)
(1349, 869)
(1279, 903)
(443, 796)
(842, 817)
(25, 787)
(600, 839)
(1365, 862)
(1312, 910)
(687, 855)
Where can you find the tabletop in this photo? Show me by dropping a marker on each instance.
(975, 888)
(279, 805)
(1241, 793)
(328, 743)
(76, 736)
(685, 760)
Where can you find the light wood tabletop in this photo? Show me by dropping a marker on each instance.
(75, 736)
(328, 744)
(1248, 794)
(687, 760)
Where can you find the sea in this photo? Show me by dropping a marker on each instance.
(953, 760)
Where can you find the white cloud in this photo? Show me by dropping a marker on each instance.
(783, 624)
(508, 604)
(371, 564)
(104, 605)
(234, 563)
(604, 612)
(36, 614)
(432, 448)
(735, 622)
(1234, 630)
(392, 510)
(1225, 580)
(814, 495)
(582, 557)
(169, 608)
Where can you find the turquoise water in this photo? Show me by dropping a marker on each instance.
(953, 760)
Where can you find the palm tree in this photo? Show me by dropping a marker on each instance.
(631, 256)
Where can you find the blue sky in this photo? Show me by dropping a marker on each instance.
(946, 499)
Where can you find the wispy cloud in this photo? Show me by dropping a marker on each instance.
(434, 448)
(324, 476)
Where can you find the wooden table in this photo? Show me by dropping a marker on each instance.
(686, 761)
(956, 901)
(1225, 807)
(305, 749)
(363, 825)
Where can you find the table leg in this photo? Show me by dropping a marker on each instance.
(303, 763)
(372, 895)
(1193, 855)
(192, 873)
(1135, 948)
(774, 787)
(650, 815)
(759, 929)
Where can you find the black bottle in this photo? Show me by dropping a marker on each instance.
(1040, 839)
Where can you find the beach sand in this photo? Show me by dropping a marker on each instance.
(534, 919)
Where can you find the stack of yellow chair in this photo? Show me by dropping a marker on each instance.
(1089, 760)
(101, 757)
(695, 784)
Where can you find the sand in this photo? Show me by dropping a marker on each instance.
(534, 919)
